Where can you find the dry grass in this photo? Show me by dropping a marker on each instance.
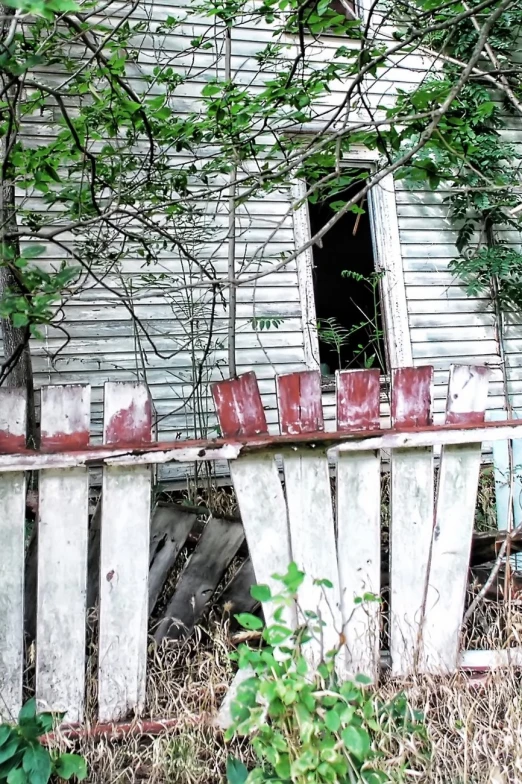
(474, 728)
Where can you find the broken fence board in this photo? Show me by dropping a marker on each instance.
(260, 498)
(12, 537)
(411, 517)
(310, 513)
(63, 515)
(218, 544)
(169, 530)
(124, 558)
(454, 518)
(256, 482)
(358, 522)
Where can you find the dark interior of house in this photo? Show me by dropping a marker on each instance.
(342, 302)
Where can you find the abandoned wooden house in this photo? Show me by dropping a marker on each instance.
(416, 311)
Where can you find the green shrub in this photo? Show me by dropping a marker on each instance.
(308, 727)
(25, 760)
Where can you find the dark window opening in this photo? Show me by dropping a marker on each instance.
(344, 7)
(347, 289)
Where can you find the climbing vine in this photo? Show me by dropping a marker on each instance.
(470, 154)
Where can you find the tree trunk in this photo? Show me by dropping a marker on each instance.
(17, 366)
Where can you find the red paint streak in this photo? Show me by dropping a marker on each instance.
(64, 410)
(300, 406)
(358, 400)
(12, 433)
(11, 442)
(239, 407)
(96, 455)
(412, 391)
(132, 425)
(64, 441)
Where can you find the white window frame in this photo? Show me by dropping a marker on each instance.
(382, 208)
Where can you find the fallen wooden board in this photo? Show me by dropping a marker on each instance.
(236, 597)
(217, 546)
(170, 528)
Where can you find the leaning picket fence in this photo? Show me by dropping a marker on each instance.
(288, 517)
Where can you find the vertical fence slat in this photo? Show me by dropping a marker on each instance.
(358, 520)
(62, 556)
(12, 531)
(124, 557)
(256, 479)
(260, 498)
(310, 513)
(454, 518)
(411, 518)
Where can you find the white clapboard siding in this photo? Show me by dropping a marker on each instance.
(358, 486)
(454, 519)
(63, 511)
(124, 558)
(426, 234)
(12, 538)
(411, 512)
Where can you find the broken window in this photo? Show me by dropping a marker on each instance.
(346, 287)
(345, 8)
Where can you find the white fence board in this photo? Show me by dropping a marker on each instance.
(310, 513)
(411, 513)
(12, 534)
(124, 558)
(62, 557)
(454, 518)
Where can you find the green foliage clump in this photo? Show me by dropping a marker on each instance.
(23, 757)
(305, 725)
(467, 152)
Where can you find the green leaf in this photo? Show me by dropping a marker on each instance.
(261, 592)
(32, 251)
(9, 749)
(210, 89)
(5, 733)
(37, 764)
(332, 720)
(27, 712)
(237, 772)
(249, 621)
(276, 634)
(20, 319)
(17, 776)
(362, 678)
(357, 741)
(324, 583)
(375, 776)
(68, 765)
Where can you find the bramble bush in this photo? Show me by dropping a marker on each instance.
(308, 727)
